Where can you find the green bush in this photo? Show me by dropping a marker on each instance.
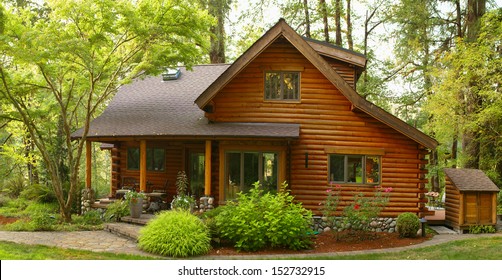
(257, 220)
(175, 233)
(482, 229)
(39, 193)
(407, 224)
(116, 210)
(92, 217)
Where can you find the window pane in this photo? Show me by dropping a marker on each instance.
(336, 168)
(354, 169)
(272, 85)
(149, 159)
(269, 171)
(372, 169)
(159, 156)
(233, 180)
(251, 170)
(133, 158)
(291, 85)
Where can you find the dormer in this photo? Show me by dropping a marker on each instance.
(348, 64)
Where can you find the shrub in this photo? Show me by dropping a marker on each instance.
(116, 210)
(482, 229)
(257, 220)
(407, 224)
(39, 193)
(175, 233)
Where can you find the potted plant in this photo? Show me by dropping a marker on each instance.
(135, 200)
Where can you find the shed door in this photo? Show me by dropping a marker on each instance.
(485, 208)
(470, 208)
(478, 208)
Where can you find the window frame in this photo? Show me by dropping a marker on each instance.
(242, 171)
(282, 92)
(149, 151)
(364, 176)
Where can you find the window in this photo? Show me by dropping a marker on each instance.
(155, 159)
(354, 169)
(282, 85)
(242, 169)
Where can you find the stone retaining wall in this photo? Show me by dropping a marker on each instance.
(321, 224)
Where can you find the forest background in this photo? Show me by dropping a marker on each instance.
(436, 64)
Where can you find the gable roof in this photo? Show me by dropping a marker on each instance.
(151, 107)
(358, 102)
(470, 180)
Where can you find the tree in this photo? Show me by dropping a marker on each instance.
(219, 10)
(473, 70)
(57, 71)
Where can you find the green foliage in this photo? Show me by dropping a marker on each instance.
(257, 220)
(358, 215)
(407, 224)
(134, 196)
(92, 217)
(175, 233)
(182, 200)
(39, 193)
(13, 186)
(59, 68)
(482, 229)
(330, 206)
(116, 210)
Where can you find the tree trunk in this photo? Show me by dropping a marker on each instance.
(324, 13)
(307, 19)
(470, 139)
(338, 14)
(217, 8)
(349, 27)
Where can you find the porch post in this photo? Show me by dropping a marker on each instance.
(88, 164)
(207, 169)
(142, 165)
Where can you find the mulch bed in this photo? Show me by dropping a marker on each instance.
(328, 242)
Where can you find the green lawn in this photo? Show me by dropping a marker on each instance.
(482, 248)
(13, 251)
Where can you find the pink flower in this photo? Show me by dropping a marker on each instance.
(389, 189)
(328, 190)
(338, 186)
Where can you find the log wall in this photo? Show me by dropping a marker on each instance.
(452, 205)
(326, 121)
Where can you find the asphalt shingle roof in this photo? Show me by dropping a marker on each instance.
(470, 180)
(152, 107)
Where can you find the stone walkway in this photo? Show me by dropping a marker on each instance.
(105, 241)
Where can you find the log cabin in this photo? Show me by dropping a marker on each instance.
(286, 110)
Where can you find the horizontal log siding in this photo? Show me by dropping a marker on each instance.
(174, 163)
(326, 120)
(453, 206)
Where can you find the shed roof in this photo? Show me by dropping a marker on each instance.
(152, 107)
(470, 180)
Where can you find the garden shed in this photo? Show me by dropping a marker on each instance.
(471, 199)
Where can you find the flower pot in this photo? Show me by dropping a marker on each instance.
(136, 207)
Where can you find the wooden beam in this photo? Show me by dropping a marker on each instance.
(207, 169)
(88, 164)
(142, 165)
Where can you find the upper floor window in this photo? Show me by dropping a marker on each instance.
(360, 169)
(155, 159)
(281, 85)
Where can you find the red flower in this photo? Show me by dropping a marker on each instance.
(356, 207)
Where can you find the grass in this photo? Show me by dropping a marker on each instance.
(14, 251)
(482, 248)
